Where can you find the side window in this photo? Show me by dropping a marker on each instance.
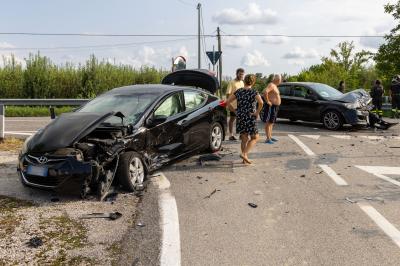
(194, 99)
(171, 106)
(284, 90)
(299, 91)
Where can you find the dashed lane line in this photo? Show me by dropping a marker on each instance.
(307, 150)
(382, 223)
(335, 177)
(170, 239)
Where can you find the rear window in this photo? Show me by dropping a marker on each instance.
(284, 90)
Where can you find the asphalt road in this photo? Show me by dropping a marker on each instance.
(323, 198)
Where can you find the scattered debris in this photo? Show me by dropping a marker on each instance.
(320, 172)
(303, 176)
(286, 211)
(209, 157)
(35, 242)
(351, 201)
(252, 205)
(352, 144)
(258, 192)
(212, 193)
(199, 177)
(140, 224)
(394, 147)
(111, 215)
(231, 182)
(111, 197)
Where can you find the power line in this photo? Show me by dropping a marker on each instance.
(96, 46)
(188, 35)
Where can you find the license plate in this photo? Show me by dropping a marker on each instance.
(37, 170)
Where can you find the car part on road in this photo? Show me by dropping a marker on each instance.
(112, 215)
(212, 193)
(35, 242)
(253, 205)
(349, 200)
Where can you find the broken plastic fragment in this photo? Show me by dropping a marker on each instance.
(253, 205)
(35, 242)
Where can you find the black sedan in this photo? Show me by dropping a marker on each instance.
(316, 102)
(126, 133)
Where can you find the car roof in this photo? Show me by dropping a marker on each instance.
(143, 88)
(299, 83)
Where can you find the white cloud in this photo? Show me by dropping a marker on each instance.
(299, 53)
(6, 45)
(255, 59)
(275, 39)
(253, 14)
(373, 42)
(237, 41)
(297, 62)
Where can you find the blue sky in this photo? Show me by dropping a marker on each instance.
(255, 54)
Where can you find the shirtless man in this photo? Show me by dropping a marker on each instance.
(270, 112)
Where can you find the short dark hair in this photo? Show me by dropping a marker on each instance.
(250, 79)
(378, 82)
(239, 70)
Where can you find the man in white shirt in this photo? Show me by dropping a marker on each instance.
(234, 85)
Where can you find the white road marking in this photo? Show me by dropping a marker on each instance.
(170, 239)
(335, 177)
(307, 150)
(341, 136)
(311, 136)
(381, 221)
(381, 171)
(19, 133)
(373, 137)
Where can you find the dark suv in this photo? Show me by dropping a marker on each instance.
(316, 102)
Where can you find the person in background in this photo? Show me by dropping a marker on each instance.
(342, 86)
(249, 105)
(234, 85)
(376, 94)
(272, 101)
(395, 95)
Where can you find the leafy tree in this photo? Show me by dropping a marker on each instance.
(388, 56)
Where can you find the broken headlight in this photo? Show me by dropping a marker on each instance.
(351, 105)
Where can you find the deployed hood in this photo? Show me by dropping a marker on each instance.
(65, 130)
(201, 78)
(359, 96)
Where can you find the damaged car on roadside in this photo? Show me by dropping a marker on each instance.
(122, 135)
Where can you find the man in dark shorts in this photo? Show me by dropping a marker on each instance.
(395, 95)
(269, 113)
(233, 86)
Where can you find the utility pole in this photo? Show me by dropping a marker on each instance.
(220, 58)
(199, 33)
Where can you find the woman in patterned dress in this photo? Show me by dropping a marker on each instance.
(249, 106)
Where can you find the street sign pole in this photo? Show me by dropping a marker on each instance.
(213, 59)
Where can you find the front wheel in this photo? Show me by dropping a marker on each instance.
(131, 171)
(332, 120)
(216, 136)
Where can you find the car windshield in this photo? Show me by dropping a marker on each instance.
(326, 91)
(131, 106)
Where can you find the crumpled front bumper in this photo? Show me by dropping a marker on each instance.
(356, 117)
(68, 170)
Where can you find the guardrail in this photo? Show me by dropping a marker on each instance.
(34, 102)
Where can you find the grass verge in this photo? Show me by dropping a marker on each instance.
(11, 144)
(35, 111)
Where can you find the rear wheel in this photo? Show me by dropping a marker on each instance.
(332, 120)
(131, 171)
(216, 137)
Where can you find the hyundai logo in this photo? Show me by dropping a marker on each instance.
(42, 159)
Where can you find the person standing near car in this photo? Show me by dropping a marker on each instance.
(269, 112)
(234, 85)
(376, 94)
(342, 86)
(395, 95)
(249, 105)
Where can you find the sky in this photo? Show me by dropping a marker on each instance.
(255, 54)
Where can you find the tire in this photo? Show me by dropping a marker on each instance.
(131, 171)
(216, 136)
(332, 120)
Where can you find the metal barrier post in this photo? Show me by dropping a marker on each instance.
(2, 124)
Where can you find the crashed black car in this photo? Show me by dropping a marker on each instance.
(316, 102)
(125, 133)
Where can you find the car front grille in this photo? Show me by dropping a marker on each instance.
(49, 181)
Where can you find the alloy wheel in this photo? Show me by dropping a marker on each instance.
(331, 120)
(136, 171)
(216, 137)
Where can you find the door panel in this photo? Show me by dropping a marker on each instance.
(305, 108)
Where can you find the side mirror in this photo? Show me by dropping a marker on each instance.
(156, 120)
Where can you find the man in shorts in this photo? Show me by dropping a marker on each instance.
(234, 85)
(269, 113)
